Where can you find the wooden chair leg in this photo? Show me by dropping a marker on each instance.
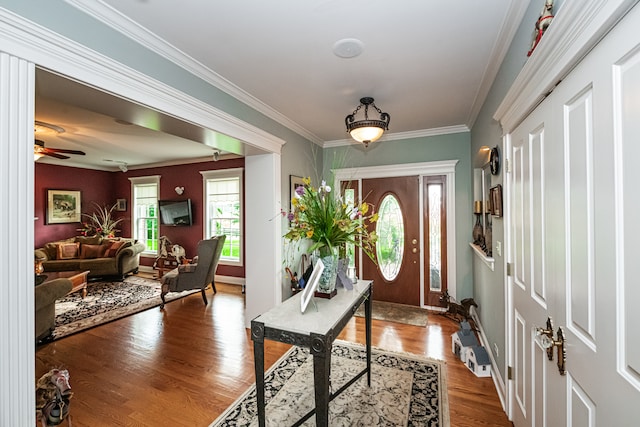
(163, 300)
(213, 286)
(204, 296)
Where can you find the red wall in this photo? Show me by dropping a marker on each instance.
(95, 186)
(106, 187)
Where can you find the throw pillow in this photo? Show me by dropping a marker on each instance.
(113, 249)
(68, 250)
(51, 248)
(92, 251)
(88, 240)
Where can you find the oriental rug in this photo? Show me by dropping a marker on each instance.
(393, 312)
(406, 390)
(108, 301)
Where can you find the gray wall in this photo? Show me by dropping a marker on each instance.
(416, 150)
(489, 286)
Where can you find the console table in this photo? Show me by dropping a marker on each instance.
(315, 329)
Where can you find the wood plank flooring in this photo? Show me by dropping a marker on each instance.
(183, 366)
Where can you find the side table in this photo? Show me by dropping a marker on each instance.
(315, 329)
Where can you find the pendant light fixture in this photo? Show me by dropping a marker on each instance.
(367, 130)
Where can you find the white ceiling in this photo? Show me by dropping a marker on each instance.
(429, 64)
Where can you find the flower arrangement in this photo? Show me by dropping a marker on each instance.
(329, 222)
(100, 223)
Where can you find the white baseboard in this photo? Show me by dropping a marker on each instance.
(501, 387)
(231, 280)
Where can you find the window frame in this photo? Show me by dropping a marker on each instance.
(225, 174)
(145, 180)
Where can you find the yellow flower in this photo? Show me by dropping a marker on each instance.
(309, 234)
(294, 201)
(374, 217)
(306, 181)
(364, 208)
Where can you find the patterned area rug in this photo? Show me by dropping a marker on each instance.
(399, 313)
(107, 301)
(406, 390)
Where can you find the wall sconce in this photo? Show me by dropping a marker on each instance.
(179, 190)
(123, 167)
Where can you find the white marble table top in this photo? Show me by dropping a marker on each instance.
(319, 318)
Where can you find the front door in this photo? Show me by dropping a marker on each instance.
(397, 276)
(412, 238)
(573, 214)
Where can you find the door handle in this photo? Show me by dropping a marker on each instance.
(545, 338)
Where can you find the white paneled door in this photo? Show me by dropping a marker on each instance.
(574, 202)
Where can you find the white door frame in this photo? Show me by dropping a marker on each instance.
(444, 167)
(26, 45)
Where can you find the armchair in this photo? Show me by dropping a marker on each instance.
(46, 295)
(199, 273)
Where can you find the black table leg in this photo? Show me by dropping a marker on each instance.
(257, 335)
(367, 322)
(321, 350)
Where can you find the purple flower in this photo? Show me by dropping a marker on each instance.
(300, 190)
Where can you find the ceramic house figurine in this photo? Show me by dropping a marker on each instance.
(478, 361)
(463, 340)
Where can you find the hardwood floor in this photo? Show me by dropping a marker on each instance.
(183, 366)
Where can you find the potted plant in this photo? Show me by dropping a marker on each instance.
(331, 224)
(101, 222)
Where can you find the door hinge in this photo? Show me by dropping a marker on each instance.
(509, 268)
(509, 373)
(507, 165)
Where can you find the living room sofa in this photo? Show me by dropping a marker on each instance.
(101, 256)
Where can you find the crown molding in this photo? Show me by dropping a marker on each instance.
(131, 29)
(511, 23)
(402, 136)
(576, 28)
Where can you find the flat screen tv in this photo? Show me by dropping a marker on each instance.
(175, 212)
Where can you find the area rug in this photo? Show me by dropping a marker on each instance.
(107, 301)
(406, 390)
(399, 313)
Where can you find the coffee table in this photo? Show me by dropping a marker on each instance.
(78, 279)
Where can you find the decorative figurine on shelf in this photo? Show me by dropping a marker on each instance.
(478, 238)
(178, 253)
(546, 16)
(488, 239)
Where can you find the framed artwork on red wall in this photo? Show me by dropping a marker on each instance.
(63, 206)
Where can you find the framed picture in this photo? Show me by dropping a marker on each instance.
(63, 206)
(295, 182)
(121, 205)
(311, 285)
(495, 198)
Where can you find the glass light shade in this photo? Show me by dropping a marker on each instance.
(367, 134)
(37, 156)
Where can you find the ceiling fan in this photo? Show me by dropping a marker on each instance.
(40, 150)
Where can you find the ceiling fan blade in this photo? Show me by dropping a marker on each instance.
(62, 150)
(56, 155)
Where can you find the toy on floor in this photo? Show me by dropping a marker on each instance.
(457, 311)
(53, 393)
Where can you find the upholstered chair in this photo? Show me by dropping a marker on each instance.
(46, 295)
(199, 273)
